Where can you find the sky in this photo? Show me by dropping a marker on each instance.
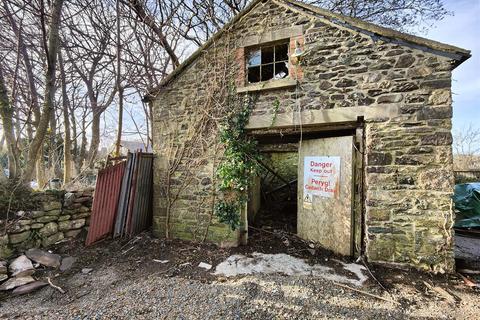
(463, 30)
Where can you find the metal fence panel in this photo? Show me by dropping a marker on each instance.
(105, 202)
(142, 204)
(123, 199)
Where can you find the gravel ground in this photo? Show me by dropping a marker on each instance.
(127, 284)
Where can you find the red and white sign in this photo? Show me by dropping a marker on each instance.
(321, 177)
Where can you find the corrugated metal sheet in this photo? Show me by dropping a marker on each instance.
(142, 205)
(133, 190)
(134, 212)
(105, 202)
(123, 200)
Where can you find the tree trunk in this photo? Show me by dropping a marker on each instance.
(34, 105)
(120, 121)
(6, 113)
(40, 169)
(95, 141)
(52, 50)
(67, 140)
(119, 84)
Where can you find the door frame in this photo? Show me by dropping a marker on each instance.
(269, 137)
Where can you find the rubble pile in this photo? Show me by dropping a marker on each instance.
(59, 215)
(20, 276)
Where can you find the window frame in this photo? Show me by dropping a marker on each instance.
(259, 47)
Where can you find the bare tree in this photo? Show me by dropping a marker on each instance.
(466, 147)
(51, 49)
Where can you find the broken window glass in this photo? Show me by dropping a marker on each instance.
(254, 58)
(267, 63)
(281, 70)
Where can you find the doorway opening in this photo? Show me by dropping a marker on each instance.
(278, 192)
(287, 201)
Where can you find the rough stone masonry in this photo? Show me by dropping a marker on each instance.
(59, 215)
(399, 84)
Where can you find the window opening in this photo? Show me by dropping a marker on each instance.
(267, 63)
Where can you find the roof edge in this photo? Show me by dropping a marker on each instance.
(383, 31)
(334, 18)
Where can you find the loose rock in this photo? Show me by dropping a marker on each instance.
(67, 263)
(44, 258)
(16, 282)
(86, 270)
(27, 288)
(21, 267)
(205, 266)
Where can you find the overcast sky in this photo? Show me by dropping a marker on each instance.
(463, 30)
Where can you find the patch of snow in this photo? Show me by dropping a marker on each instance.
(285, 264)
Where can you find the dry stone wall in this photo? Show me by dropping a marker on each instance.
(59, 215)
(408, 155)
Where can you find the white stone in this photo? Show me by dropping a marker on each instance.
(21, 266)
(86, 270)
(205, 266)
(161, 261)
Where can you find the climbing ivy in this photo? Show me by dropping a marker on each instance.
(239, 164)
(276, 106)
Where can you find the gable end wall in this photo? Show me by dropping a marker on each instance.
(408, 155)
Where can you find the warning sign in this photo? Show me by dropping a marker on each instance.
(307, 201)
(321, 177)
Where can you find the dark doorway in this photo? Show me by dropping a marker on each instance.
(278, 193)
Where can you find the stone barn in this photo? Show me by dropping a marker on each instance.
(352, 122)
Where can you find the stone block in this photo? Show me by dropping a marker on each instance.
(37, 226)
(19, 237)
(64, 217)
(45, 219)
(437, 139)
(440, 97)
(36, 214)
(5, 251)
(405, 61)
(429, 113)
(71, 224)
(379, 158)
(390, 98)
(72, 233)
(54, 212)
(378, 214)
(81, 215)
(51, 205)
(16, 228)
(52, 239)
(4, 239)
(24, 222)
(49, 229)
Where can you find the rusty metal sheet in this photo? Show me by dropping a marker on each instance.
(105, 202)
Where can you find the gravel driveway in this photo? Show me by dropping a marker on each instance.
(129, 284)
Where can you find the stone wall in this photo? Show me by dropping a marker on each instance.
(59, 215)
(408, 155)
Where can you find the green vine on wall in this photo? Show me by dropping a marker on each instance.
(239, 164)
(276, 106)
